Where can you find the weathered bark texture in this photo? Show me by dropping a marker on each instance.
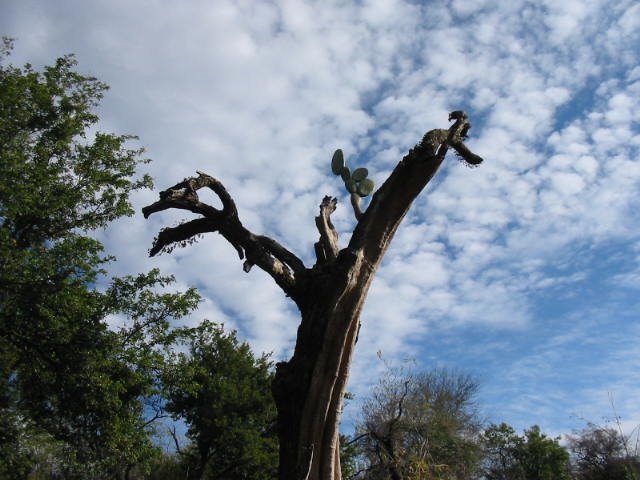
(309, 388)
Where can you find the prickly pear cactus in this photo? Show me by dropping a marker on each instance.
(365, 187)
(360, 174)
(356, 183)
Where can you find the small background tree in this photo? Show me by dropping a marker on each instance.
(604, 452)
(420, 426)
(533, 456)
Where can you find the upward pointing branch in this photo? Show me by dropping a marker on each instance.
(327, 247)
(392, 200)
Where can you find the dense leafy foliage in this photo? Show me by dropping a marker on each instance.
(86, 370)
(223, 394)
(533, 456)
(66, 376)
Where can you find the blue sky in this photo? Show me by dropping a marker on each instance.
(524, 272)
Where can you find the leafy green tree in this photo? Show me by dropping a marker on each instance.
(543, 458)
(64, 372)
(423, 426)
(501, 445)
(223, 394)
(534, 456)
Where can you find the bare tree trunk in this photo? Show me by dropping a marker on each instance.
(309, 388)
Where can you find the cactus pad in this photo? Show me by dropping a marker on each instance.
(365, 187)
(337, 162)
(360, 174)
(356, 183)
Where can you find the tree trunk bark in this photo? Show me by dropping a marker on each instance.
(309, 388)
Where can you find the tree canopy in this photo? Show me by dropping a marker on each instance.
(534, 456)
(420, 425)
(66, 375)
(89, 363)
(223, 393)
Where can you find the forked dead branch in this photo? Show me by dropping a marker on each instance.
(309, 387)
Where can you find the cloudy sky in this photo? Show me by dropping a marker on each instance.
(524, 272)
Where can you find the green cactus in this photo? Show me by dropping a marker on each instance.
(337, 162)
(356, 183)
(360, 174)
(365, 187)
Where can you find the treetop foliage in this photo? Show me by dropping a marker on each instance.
(65, 375)
(53, 173)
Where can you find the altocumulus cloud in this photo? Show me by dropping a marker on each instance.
(520, 270)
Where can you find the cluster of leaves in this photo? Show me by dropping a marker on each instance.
(83, 368)
(223, 393)
(532, 456)
(357, 182)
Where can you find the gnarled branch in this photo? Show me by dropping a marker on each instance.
(457, 133)
(184, 196)
(436, 142)
(181, 233)
(266, 253)
(282, 254)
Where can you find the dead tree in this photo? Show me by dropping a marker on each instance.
(309, 388)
